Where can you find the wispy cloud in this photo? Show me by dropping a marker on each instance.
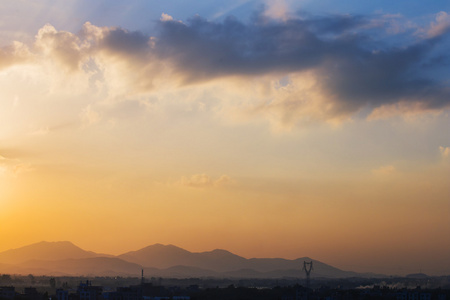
(384, 170)
(445, 151)
(277, 9)
(229, 8)
(13, 167)
(89, 116)
(41, 131)
(203, 181)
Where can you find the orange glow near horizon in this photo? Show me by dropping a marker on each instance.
(115, 148)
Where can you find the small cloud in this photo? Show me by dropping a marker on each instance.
(445, 151)
(197, 181)
(13, 167)
(41, 131)
(384, 170)
(21, 168)
(168, 18)
(204, 181)
(224, 180)
(277, 9)
(89, 116)
(165, 17)
(441, 26)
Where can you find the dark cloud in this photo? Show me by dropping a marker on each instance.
(356, 69)
(204, 49)
(377, 77)
(126, 43)
(338, 24)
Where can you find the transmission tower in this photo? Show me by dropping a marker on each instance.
(307, 267)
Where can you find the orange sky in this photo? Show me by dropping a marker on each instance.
(115, 148)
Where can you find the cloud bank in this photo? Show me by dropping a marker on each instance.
(296, 68)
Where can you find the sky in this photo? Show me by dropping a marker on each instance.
(266, 128)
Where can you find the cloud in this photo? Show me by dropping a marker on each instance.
(395, 24)
(445, 151)
(408, 110)
(41, 131)
(89, 116)
(440, 26)
(22, 168)
(384, 170)
(332, 67)
(13, 167)
(63, 46)
(16, 53)
(223, 180)
(277, 9)
(228, 7)
(350, 67)
(166, 17)
(293, 100)
(202, 181)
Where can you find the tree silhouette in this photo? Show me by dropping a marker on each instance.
(52, 283)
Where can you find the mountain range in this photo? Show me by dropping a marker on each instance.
(66, 259)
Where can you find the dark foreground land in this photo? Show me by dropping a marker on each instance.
(125, 288)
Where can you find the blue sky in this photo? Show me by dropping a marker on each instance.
(142, 14)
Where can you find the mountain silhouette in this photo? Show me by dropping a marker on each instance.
(162, 257)
(66, 259)
(94, 266)
(46, 251)
(158, 256)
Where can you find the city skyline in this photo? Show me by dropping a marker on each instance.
(267, 128)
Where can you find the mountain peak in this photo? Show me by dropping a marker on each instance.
(45, 251)
(161, 247)
(164, 246)
(220, 251)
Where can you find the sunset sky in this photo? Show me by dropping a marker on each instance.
(267, 128)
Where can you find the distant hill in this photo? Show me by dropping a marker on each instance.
(221, 261)
(95, 266)
(182, 272)
(162, 257)
(417, 276)
(46, 251)
(64, 258)
(157, 256)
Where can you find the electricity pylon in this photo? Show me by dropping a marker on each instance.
(307, 267)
